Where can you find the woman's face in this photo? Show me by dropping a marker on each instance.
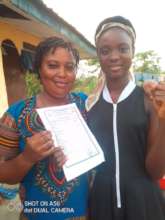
(115, 52)
(58, 72)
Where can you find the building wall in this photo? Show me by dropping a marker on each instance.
(11, 32)
(14, 73)
(3, 91)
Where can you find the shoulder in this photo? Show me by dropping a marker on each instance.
(16, 108)
(79, 98)
(9, 117)
(79, 95)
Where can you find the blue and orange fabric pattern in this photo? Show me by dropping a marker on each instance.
(44, 191)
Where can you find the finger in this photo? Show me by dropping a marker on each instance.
(149, 88)
(59, 149)
(159, 93)
(155, 104)
(60, 161)
(41, 132)
(150, 85)
(38, 134)
(46, 146)
(59, 157)
(160, 88)
(37, 138)
(159, 98)
(162, 83)
(162, 112)
(58, 154)
(160, 108)
(44, 139)
(49, 152)
(46, 136)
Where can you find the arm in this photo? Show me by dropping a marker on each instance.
(12, 171)
(155, 159)
(38, 147)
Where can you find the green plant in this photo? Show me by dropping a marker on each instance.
(85, 84)
(33, 85)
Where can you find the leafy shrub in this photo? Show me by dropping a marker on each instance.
(33, 85)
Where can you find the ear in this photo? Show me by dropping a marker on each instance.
(133, 50)
(39, 71)
(97, 50)
(133, 53)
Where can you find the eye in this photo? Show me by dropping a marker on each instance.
(70, 67)
(53, 66)
(104, 51)
(124, 49)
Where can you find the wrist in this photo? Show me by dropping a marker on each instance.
(28, 162)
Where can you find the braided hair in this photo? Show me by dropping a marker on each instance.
(49, 44)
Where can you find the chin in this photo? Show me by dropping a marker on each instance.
(61, 93)
(114, 76)
(61, 96)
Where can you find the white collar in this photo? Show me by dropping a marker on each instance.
(125, 93)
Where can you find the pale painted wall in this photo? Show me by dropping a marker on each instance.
(12, 32)
(3, 94)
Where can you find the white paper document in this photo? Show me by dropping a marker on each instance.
(71, 132)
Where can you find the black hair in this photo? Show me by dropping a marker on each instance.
(52, 43)
(116, 19)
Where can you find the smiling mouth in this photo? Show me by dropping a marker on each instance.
(115, 68)
(61, 84)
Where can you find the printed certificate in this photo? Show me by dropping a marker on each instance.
(70, 131)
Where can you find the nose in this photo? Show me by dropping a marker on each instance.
(62, 71)
(114, 55)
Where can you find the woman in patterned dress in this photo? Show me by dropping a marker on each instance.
(27, 150)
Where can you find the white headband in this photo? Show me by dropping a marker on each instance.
(107, 26)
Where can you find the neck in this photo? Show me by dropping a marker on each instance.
(45, 100)
(116, 86)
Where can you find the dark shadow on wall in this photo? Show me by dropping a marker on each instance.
(14, 75)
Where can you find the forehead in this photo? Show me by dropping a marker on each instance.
(113, 36)
(60, 53)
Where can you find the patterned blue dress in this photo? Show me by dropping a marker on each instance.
(44, 191)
